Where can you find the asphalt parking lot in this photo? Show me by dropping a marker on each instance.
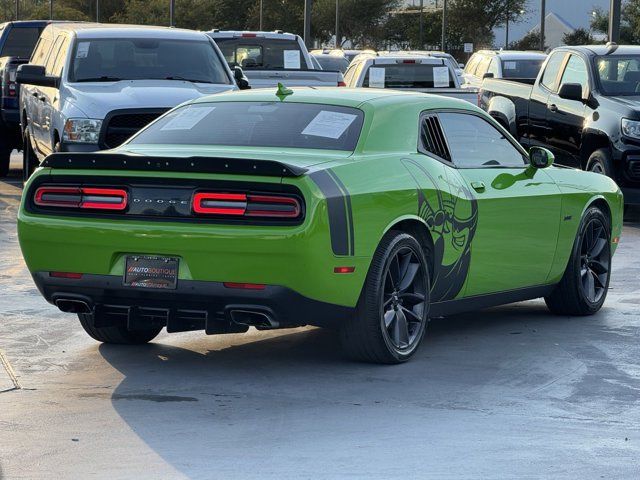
(510, 392)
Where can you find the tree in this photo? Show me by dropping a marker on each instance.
(629, 22)
(531, 41)
(580, 36)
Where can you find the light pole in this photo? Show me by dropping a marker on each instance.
(444, 25)
(97, 11)
(614, 21)
(421, 25)
(172, 8)
(308, 4)
(542, 19)
(17, 9)
(50, 9)
(260, 15)
(338, 42)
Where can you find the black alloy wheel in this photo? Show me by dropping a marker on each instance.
(403, 300)
(594, 261)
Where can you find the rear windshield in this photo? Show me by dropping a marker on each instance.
(254, 124)
(521, 68)
(409, 75)
(20, 42)
(113, 59)
(262, 53)
(332, 62)
(619, 75)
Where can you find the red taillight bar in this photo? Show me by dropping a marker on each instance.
(341, 84)
(246, 205)
(93, 198)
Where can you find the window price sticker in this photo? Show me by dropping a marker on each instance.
(187, 118)
(440, 77)
(329, 124)
(292, 59)
(376, 77)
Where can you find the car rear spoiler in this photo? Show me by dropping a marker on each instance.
(120, 161)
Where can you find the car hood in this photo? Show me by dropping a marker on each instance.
(632, 102)
(298, 157)
(96, 99)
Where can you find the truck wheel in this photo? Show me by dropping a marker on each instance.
(5, 157)
(29, 159)
(116, 335)
(585, 282)
(392, 314)
(600, 162)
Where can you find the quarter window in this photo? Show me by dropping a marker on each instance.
(551, 70)
(475, 143)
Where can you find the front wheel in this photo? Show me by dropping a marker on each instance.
(585, 282)
(117, 335)
(392, 313)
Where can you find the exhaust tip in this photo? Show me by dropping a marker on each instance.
(69, 305)
(251, 318)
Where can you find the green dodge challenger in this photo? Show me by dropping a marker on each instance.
(368, 211)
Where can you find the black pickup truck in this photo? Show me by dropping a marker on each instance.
(17, 41)
(584, 106)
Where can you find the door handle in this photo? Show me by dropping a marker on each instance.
(553, 107)
(478, 186)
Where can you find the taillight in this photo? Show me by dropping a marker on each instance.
(249, 35)
(409, 61)
(246, 205)
(342, 84)
(12, 89)
(81, 198)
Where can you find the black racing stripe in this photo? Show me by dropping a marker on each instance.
(349, 211)
(338, 224)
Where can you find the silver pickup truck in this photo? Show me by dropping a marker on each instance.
(269, 58)
(407, 71)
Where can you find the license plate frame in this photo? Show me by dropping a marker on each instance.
(151, 272)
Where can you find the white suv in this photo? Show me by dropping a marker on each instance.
(508, 64)
(91, 86)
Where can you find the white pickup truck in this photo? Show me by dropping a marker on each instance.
(269, 58)
(406, 71)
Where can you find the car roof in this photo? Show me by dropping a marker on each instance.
(111, 30)
(277, 34)
(610, 49)
(386, 57)
(515, 54)
(348, 97)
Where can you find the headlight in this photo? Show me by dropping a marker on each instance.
(81, 130)
(631, 128)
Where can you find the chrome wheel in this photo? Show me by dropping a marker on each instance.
(596, 167)
(594, 261)
(403, 304)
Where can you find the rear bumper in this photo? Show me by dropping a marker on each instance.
(193, 305)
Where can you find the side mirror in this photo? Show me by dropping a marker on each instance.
(540, 157)
(461, 66)
(571, 91)
(488, 75)
(241, 80)
(35, 75)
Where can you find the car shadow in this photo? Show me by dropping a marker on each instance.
(251, 406)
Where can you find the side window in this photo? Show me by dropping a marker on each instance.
(53, 55)
(61, 58)
(576, 72)
(471, 65)
(39, 56)
(475, 143)
(432, 139)
(483, 67)
(493, 67)
(348, 75)
(551, 70)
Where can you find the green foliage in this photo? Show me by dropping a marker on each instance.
(629, 24)
(531, 41)
(580, 36)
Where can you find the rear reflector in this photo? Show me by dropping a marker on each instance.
(245, 205)
(65, 275)
(344, 269)
(245, 286)
(81, 197)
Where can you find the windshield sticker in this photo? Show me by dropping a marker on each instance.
(188, 118)
(292, 59)
(509, 65)
(83, 49)
(376, 77)
(329, 124)
(440, 77)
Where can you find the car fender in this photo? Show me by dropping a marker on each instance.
(593, 139)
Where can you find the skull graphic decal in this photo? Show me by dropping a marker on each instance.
(451, 213)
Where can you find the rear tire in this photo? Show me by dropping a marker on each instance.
(584, 285)
(116, 335)
(29, 160)
(392, 314)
